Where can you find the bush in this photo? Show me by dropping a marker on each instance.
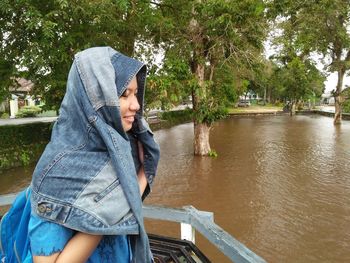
(22, 144)
(4, 115)
(300, 106)
(346, 106)
(25, 134)
(28, 111)
(20, 155)
(179, 116)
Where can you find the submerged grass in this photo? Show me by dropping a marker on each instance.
(255, 108)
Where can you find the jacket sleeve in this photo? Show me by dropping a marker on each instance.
(141, 132)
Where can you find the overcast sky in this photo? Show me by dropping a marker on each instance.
(331, 82)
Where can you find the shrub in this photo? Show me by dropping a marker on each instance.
(346, 106)
(300, 106)
(22, 144)
(179, 116)
(4, 115)
(28, 111)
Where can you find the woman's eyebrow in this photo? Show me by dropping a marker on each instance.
(132, 88)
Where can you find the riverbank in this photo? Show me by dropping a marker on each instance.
(256, 110)
(345, 116)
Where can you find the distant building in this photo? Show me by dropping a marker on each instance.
(327, 98)
(23, 89)
(20, 96)
(250, 95)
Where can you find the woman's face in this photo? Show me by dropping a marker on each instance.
(129, 105)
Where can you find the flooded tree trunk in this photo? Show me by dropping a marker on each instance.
(338, 98)
(201, 139)
(201, 128)
(201, 144)
(338, 110)
(292, 108)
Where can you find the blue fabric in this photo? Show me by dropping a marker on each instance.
(47, 238)
(14, 231)
(24, 234)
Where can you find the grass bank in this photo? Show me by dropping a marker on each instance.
(255, 109)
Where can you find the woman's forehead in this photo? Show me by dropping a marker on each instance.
(132, 84)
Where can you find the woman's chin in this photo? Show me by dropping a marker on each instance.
(127, 126)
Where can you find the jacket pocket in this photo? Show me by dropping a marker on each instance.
(104, 197)
(105, 192)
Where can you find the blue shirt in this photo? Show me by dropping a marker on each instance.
(47, 238)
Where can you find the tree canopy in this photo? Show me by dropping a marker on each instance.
(39, 38)
(320, 26)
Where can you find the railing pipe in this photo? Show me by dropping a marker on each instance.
(204, 223)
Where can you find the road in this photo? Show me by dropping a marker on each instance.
(26, 120)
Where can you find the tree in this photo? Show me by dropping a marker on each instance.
(39, 38)
(299, 79)
(209, 38)
(320, 26)
(6, 77)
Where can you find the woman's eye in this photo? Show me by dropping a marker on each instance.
(126, 93)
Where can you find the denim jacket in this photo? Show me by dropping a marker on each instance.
(86, 178)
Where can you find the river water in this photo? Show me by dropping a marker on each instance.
(280, 185)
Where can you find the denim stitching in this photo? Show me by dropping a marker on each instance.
(61, 155)
(106, 191)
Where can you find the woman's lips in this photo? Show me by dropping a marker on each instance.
(130, 118)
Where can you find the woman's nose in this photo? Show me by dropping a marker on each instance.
(134, 104)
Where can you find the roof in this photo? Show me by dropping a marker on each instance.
(24, 86)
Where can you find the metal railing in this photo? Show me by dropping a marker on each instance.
(8, 199)
(191, 219)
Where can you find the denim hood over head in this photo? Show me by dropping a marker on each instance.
(86, 178)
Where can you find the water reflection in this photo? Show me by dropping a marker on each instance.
(280, 185)
(15, 179)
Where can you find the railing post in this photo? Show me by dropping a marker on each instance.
(187, 232)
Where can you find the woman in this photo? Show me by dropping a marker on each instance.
(86, 190)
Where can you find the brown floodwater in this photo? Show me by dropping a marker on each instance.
(280, 185)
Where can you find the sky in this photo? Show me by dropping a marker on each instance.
(331, 82)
